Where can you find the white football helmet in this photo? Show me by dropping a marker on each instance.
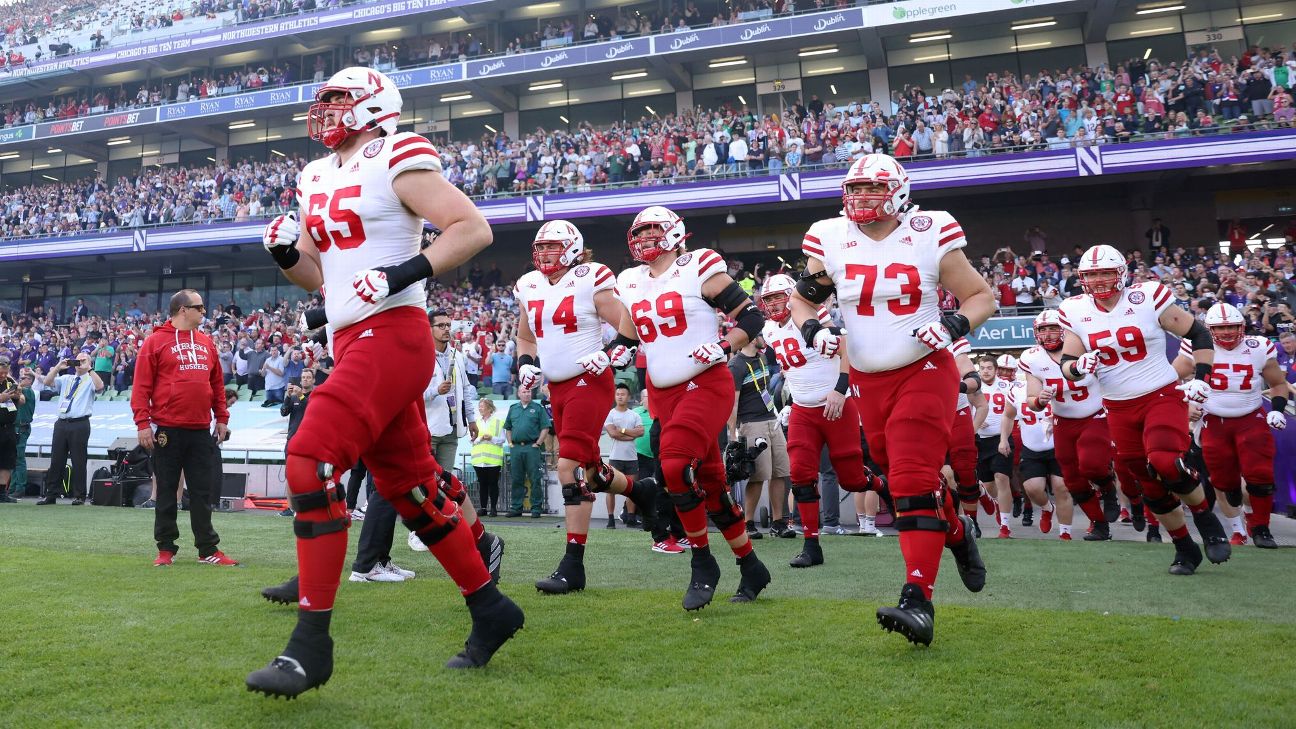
(1006, 367)
(774, 297)
(1048, 330)
(1226, 324)
(654, 231)
(552, 261)
(875, 169)
(372, 102)
(1102, 272)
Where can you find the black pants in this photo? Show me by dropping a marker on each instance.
(69, 441)
(192, 452)
(663, 521)
(377, 532)
(488, 479)
(356, 479)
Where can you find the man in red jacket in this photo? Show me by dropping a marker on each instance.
(178, 387)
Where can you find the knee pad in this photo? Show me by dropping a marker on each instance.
(313, 489)
(453, 487)
(431, 515)
(872, 482)
(600, 476)
(805, 493)
(1233, 497)
(1181, 479)
(688, 497)
(968, 493)
(1161, 504)
(574, 494)
(728, 514)
(906, 520)
(1260, 489)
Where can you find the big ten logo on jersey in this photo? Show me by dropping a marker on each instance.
(663, 317)
(788, 353)
(900, 286)
(564, 315)
(331, 221)
(1128, 345)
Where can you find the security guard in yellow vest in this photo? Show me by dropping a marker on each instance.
(488, 456)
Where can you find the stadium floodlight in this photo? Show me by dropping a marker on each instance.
(117, 141)
(725, 62)
(1161, 9)
(822, 71)
(53, 150)
(1255, 18)
(741, 100)
(545, 85)
(242, 125)
(51, 178)
(939, 36)
(645, 92)
(1026, 46)
(1043, 23)
(556, 102)
(1150, 31)
(938, 57)
(817, 51)
(490, 128)
(650, 110)
(627, 75)
(456, 97)
(565, 120)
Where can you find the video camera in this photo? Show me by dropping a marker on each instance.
(740, 459)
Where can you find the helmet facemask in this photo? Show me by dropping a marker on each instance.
(547, 255)
(1102, 284)
(857, 196)
(645, 242)
(1227, 336)
(1049, 337)
(775, 306)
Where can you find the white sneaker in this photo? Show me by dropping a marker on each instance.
(392, 568)
(869, 530)
(416, 544)
(377, 574)
(357, 514)
(836, 531)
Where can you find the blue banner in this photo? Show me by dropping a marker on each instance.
(1007, 332)
(225, 104)
(96, 123)
(17, 134)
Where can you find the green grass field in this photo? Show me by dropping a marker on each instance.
(1088, 635)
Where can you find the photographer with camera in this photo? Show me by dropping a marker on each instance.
(754, 417)
(77, 386)
(178, 389)
(26, 411)
(11, 399)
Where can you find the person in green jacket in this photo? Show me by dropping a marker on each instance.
(526, 426)
(26, 411)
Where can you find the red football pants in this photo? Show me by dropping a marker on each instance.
(1084, 451)
(1238, 448)
(809, 432)
(580, 407)
(907, 414)
(372, 407)
(691, 416)
(1151, 429)
(962, 454)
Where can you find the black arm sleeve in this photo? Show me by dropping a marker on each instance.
(729, 299)
(811, 290)
(622, 341)
(1200, 336)
(401, 276)
(527, 359)
(316, 318)
(750, 320)
(957, 325)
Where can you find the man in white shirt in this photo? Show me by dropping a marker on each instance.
(77, 389)
(449, 399)
(623, 426)
(1024, 287)
(738, 153)
(275, 379)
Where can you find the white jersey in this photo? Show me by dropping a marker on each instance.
(961, 346)
(1072, 400)
(1036, 428)
(670, 315)
(1236, 380)
(886, 288)
(357, 222)
(809, 375)
(996, 394)
(1129, 340)
(562, 316)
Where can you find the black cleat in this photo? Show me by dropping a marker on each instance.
(967, 558)
(1218, 549)
(1154, 534)
(914, 617)
(1262, 537)
(1187, 557)
(780, 530)
(702, 584)
(1111, 507)
(569, 577)
(644, 496)
(284, 677)
(1028, 516)
(1017, 506)
(1137, 519)
(285, 594)
(811, 555)
(1101, 532)
(491, 549)
(752, 531)
(754, 578)
(495, 619)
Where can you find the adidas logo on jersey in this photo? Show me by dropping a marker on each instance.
(355, 167)
(691, 386)
(580, 382)
(571, 284)
(365, 333)
(907, 240)
(1129, 311)
(928, 366)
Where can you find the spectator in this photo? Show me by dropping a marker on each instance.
(12, 398)
(450, 401)
(256, 358)
(754, 416)
(1287, 355)
(526, 425)
(77, 386)
(1024, 289)
(276, 380)
(488, 456)
(179, 391)
(624, 427)
(22, 429)
(501, 371)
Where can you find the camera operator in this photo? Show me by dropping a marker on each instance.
(178, 388)
(26, 410)
(754, 416)
(77, 386)
(11, 399)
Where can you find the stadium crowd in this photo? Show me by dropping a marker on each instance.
(1139, 100)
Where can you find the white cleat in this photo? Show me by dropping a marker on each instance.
(416, 544)
(392, 568)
